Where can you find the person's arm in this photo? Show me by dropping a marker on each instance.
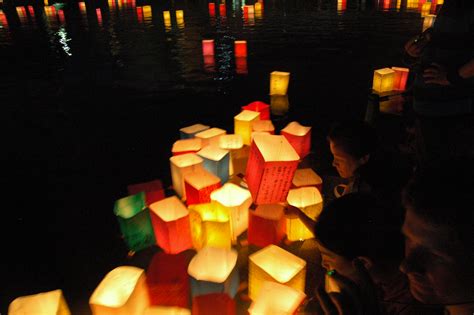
(438, 74)
(415, 45)
(294, 212)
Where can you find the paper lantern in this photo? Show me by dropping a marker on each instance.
(425, 9)
(190, 131)
(31, 11)
(222, 10)
(306, 177)
(153, 190)
(186, 146)
(179, 14)
(208, 47)
(258, 7)
(235, 201)
(263, 126)
(299, 137)
(400, 78)
(167, 18)
(428, 21)
(99, 16)
(3, 19)
(180, 166)
(240, 48)
(147, 13)
(199, 186)
(82, 7)
(209, 226)
(267, 225)
(275, 298)
(270, 168)
(61, 16)
(261, 107)
(21, 11)
(213, 304)
(249, 9)
(210, 136)
(412, 4)
(213, 270)
(166, 310)
(122, 291)
(275, 264)
(341, 5)
(212, 9)
(279, 82)
(310, 201)
(167, 280)
(279, 104)
(134, 221)
(209, 64)
(216, 161)
(241, 65)
(243, 124)
(238, 153)
(46, 303)
(170, 219)
(383, 80)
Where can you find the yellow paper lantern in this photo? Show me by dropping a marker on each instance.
(263, 126)
(275, 298)
(238, 153)
(122, 291)
(210, 136)
(243, 124)
(412, 4)
(425, 9)
(190, 131)
(275, 264)
(310, 201)
(166, 310)
(209, 226)
(383, 80)
(184, 146)
(180, 166)
(440, 2)
(180, 18)
(279, 82)
(428, 21)
(147, 14)
(306, 177)
(167, 18)
(45, 303)
(279, 104)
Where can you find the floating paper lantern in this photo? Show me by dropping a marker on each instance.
(275, 264)
(153, 190)
(216, 161)
(243, 124)
(99, 16)
(212, 304)
(412, 4)
(82, 7)
(170, 219)
(166, 310)
(299, 137)
(147, 13)
(31, 11)
(383, 80)
(191, 131)
(45, 303)
(167, 18)
(249, 9)
(267, 225)
(275, 298)
(179, 14)
(270, 168)
(212, 9)
(238, 153)
(184, 146)
(428, 21)
(306, 177)
(122, 291)
(134, 221)
(213, 270)
(241, 65)
(261, 107)
(400, 78)
(308, 200)
(258, 7)
(209, 226)
(199, 186)
(279, 104)
(209, 64)
(208, 47)
(263, 126)
(21, 11)
(180, 166)
(279, 82)
(3, 19)
(61, 16)
(222, 10)
(240, 48)
(425, 9)
(341, 5)
(210, 136)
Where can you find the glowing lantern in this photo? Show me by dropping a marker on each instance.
(275, 264)
(167, 19)
(212, 304)
(208, 47)
(261, 107)
(306, 177)
(216, 161)
(258, 7)
(46, 303)
(238, 153)
(425, 9)
(383, 80)
(184, 146)
(166, 310)
(153, 190)
(440, 2)
(209, 226)
(263, 126)
(199, 186)
(249, 9)
(82, 7)
(134, 221)
(190, 131)
(400, 78)
(3, 19)
(99, 16)
(270, 168)
(412, 4)
(428, 21)
(180, 166)
(241, 65)
(267, 225)
(222, 10)
(299, 137)
(62, 18)
(112, 4)
(240, 48)
(235, 201)
(275, 298)
(180, 18)
(31, 11)
(122, 291)
(310, 201)
(212, 9)
(213, 270)
(147, 13)
(46, 2)
(170, 219)
(399, 4)
(243, 124)
(279, 104)
(279, 82)
(21, 11)
(210, 136)
(341, 5)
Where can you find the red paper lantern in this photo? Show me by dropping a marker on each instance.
(240, 48)
(140, 14)
(199, 185)
(400, 79)
(222, 9)
(261, 107)
(212, 9)
(208, 47)
(153, 190)
(299, 137)
(213, 304)
(241, 65)
(267, 225)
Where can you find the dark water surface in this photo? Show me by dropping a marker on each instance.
(93, 103)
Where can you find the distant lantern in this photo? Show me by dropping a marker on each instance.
(275, 264)
(279, 104)
(213, 303)
(279, 82)
(258, 7)
(238, 152)
(170, 219)
(208, 47)
(166, 310)
(82, 7)
(235, 201)
(306, 177)
(61, 16)
(275, 298)
(216, 161)
(199, 186)
(240, 48)
(270, 168)
(209, 226)
(210, 136)
(180, 166)
(243, 124)
(383, 80)
(299, 137)
(261, 107)
(153, 190)
(241, 65)
(308, 200)
(267, 225)
(425, 9)
(184, 146)
(263, 126)
(122, 291)
(249, 9)
(213, 270)
(31, 11)
(134, 221)
(99, 16)
(191, 131)
(45, 303)
(179, 14)
(3, 19)
(147, 13)
(209, 63)
(428, 21)
(400, 78)
(212, 9)
(222, 10)
(167, 18)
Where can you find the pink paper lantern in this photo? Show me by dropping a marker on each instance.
(212, 304)
(261, 107)
(199, 185)
(299, 137)
(267, 225)
(153, 190)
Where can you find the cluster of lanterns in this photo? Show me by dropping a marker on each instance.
(390, 79)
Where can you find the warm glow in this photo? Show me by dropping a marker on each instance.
(190, 131)
(383, 80)
(428, 21)
(209, 213)
(180, 18)
(400, 78)
(210, 136)
(275, 298)
(279, 104)
(299, 137)
(209, 226)
(231, 142)
(425, 9)
(208, 47)
(307, 177)
(310, 201)
(279, 82)
(412, 4)
(46, 303)
(341, 5)
(240, 48)
(213, 264)
(275, 148)
(212, 9)
(180, 166)
(222, 10)
(169, 209)
(213, 153)
(3, 19)
(330, 285)
(216, 161)
(267, 225)
(21, 11)
(99, 16)
(263, 126)
(147, 14)
(241, 65)
(249, 9)
(201, 179)
(186, 146)
(166, 310)
(231, 195)
(243, 124)
(82, 7)
(167, 19)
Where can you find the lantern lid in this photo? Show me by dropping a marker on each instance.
(263, 125)
(169, 209)
(212, 153)
(304, 197)
(276, 298)
(166, 310)
(277, 262)
(201, 178)
(306, 177)
(384, 71)
(231, 195)
(212, 264)
(247, 115)
(232, 141)
(270, 211)
(210, 133)
(130, 206)
(193, 144)
(256, 106)
(207, 212)
(275, 148)
(45, 303)
(185, 160)
(294, 128)
(196, 127)
(401, 69)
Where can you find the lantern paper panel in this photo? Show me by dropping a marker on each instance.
(208, 47)
(233, 143)
(45, 303)
(428, 21)
(425, 9)
(186, 146)
(261, 107)
(199, 186)
(263, 126)
(212, 9)
(122, 291)
(243, 124)
(310, 201)
(275, 264)
(275, 298)
(383, 80)
(153, 190)
(216, 161)
(400, 78)
(170, 219)
(267, 225)
(306, 177)
(299, 137)
(214, 303)
(209, 226)
(190, 131)
(240, 48)
(279, 82)
(166, 310)
(279, 104)
(180, 18)
(271, 166)
(167, 19)
(180, 166)
(211, 136)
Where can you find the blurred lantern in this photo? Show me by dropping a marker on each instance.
(279, 82)
(21, 11)
(241, 65)
(243, 124)
(428, 21)
(167, 280)
(275, 298)
(279, 104)
(400, 78)
(310, 201)
(383, 80)
(386, 4)
(341, 5)
(216, 161)
(222, 10)
(330, 285)
(180, 166)
(112, 4)
(213, 270)
(249, 9)
(258, 7)
(425, 9)
(180, 18)
(212, 304)
(208, 47)
(31, 11)
(267, 225)
(299, 137)
(170, 219)
(235, 201)
(153, 190)
(82, 7)
(62, 18)
(399, 4)
(99, 16)
(147, 13)
(240, 48)
(275, 264)
(263, 126)
(199, 186)
(122, 291)
(45, 2)
(184, 146)
(261, 107)
(134, 221)
(238, 152)
(166, 310)
(45, 303)
(167, 19)
(412, 4)
(209, 64)
(439, 2)
(212, 9)
(190, 131)
(306, 177)
(210, 136)
(270, 168)
(209, 226)
(3, 19)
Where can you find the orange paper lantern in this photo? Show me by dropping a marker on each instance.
(299, 137)
(186, 146)
(199, 186)
(267, 225)
(400, 78)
